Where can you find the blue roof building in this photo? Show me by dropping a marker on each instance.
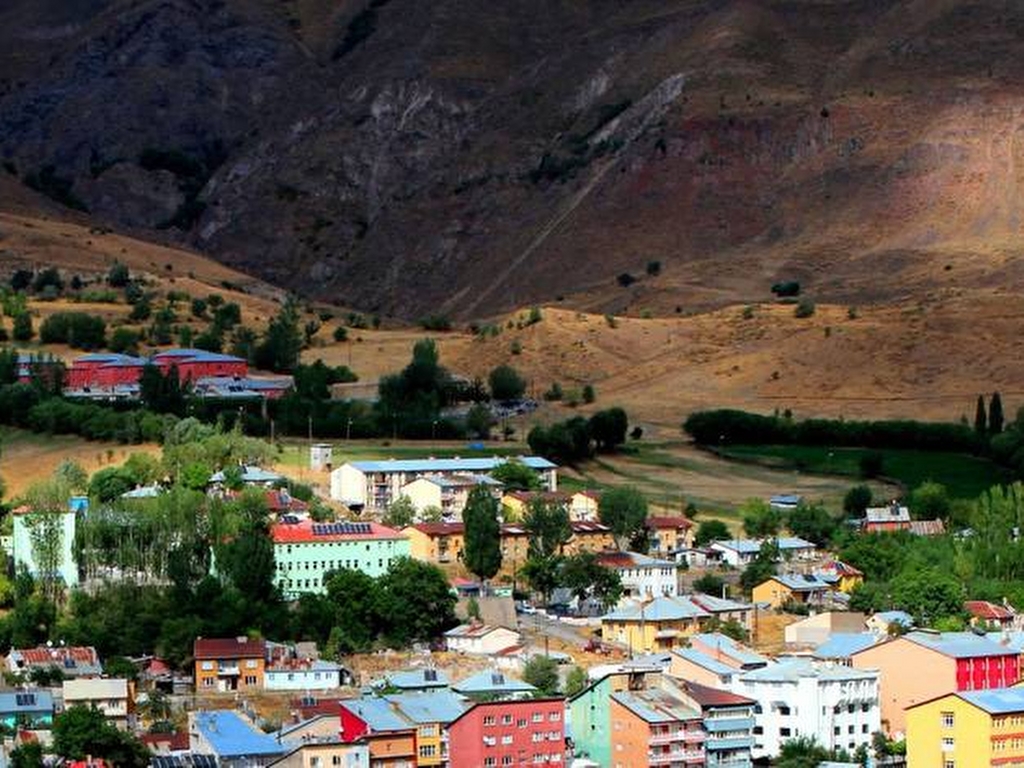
(842, 645)
(32, 709)
(415, 680)
(231, 739)
(424, 707)
(493, 684)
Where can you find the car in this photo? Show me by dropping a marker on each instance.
(525, 608)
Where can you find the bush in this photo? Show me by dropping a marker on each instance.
(588, 393)
(124, 341)
(436, 323)
(788, 288)
(653, 268)
(341, 333)
(625, 279)
(804, 309)
(871, 464)
(534, 317)
(22, 329)
(555, 393)
(48, 277)
(506, 383)
(76, 329)
(118, 276)
(199, 308)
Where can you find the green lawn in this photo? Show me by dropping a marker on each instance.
(297, 454)
(963, 475)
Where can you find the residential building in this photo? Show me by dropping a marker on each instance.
(784, 588)
(669, 535)
(892, 517)
(992, 615)
(374, 485)
(843, 576)
(438, 543)
(504, 733)
(942, 662)
(657, 625)
(581, 505)
(305, 552)
(590, 712)
(834, 704)
(881, 622)
(431, 714)
(816, 629)
(250, 475)
(481, 639)
(493, 684)
(653, 727)
(233, 741)
(697, 666)
(725, 610)
(840, 647)
(229, 664)
(785, 502)
(642, 576)
(448, 493)
(390, 736)
(73, 660)
(301, 675)
(967, 729)
(728, 651)
(114, 697)
(588, 536)
(728, 721)
(57, 528)
(426, 679)
(26, 709)
(739, 553)
(319, 727)
(321, 754)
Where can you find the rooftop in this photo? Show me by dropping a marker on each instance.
(250, 474)
(794, 669)
(713, 604)
(704, 661)
(664, 521)
(473, 630)
(377, 713)
(410, 679)
(983, 609)
(959, 645)
(897, 617)
(70, 659)
(996, 701)
(230, 736)
(229, 648)
(753, 546)
(655, 706)
(95, 688)
(448, 465)
(842, 645)
(632, 560)
(429, 706)
(729, 647)
(710, 698)
(492, 681)
(801, 582)
(307, 531)
(658, 609)
(891, 513)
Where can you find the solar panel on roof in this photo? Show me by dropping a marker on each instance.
(340, 529)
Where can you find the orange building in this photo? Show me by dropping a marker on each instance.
(229, 664)
(669, 534)
(651, 727)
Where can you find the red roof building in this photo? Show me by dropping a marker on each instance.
(669, 534)
(984, 612)
(229, 664)
(497, 733)
(310, 531)
(73, 661)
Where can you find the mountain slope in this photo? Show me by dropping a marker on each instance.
(467, 157)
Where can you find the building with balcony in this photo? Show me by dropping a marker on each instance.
(114, 697)
(664, 623)
(305, 552)
(373, 485)
(654, 728)
(503, 733)
(26, 709)
(229, 664)
(391, 738)
(642, 576)
(669, 534)
(449, 493)
(728, 721)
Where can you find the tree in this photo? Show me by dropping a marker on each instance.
(542, 574)
(353, 597)
(624, 510)
(930, 500)
(813, 523)
(479, 421)
(415, 601)
(928, 594)
(871, 464)
(506, 383)
(542, 673)
(118, 276)
(585, 577)
(761, 567)
(857, 500)
(481, 552)
(28, 754)
(995, 414)
(162, 392)
(516, 476)
(608, 428)
(83, 731)
(282, 342)
(980, 420)
(400, 513)
(22, 328)
(801, 752)
(110, 483)
(709, 531)
(709, 584)
(124, 341)
(575, 681)
(760, 519)
(549, 527)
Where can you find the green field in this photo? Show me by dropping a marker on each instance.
(296, 454)
(963, 475)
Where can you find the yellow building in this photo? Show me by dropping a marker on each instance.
(581, 505)
(437, 543)
(844, 575)
(670, 534)
(589, 537)
(786, 588)
(655, 625)
(970, 729)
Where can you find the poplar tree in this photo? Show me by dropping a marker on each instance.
(482, 549)
(995, 414)
(980, 422)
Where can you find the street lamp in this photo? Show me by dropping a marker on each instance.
(348, 430)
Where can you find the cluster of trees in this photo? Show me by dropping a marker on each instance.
(725, 426)
(76, 329)
(82, 732)
(576, 439)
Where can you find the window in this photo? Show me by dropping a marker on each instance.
(489, 720)
(506, 739)
(506, 760)
(947, 744)
(849, 729)
(758, 730)
(537, 737)
(428, 750)
(783, 710)
(521, 722)
(835, 731)
(947, 719)
(949, 764)
(207, 666)
(490, 761)
(336, 760)
(314, 762)
(554, 717)
(506, 719)
(538, 717)
(784, 732)
(864, 728)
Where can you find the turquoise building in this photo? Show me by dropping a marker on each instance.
(590, 714)
(306, 552)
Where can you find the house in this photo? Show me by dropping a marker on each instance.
(590, 713)
(642, 576)
(699, 557)
(725, 610)
(28, 709)
(588, 536)
(986, 614)
(967, 728)
(728, 722)
(448, 493)
(728, 651)
(739, 553)
(842, 576)
(375, 484)
(250, 475)
(438, 543)
(941, 662)
(882, 622)
(652, 727)
(427, 679)
(234, 742)
(114, 697)
(72, 661)
(372, 720)
(103, 370)
(656, 625)
(785, 502)
(194, 364)
(305, 552)
(841, 646)
(243, 387)
(669, 534)
(833, 704)
(697, 666)
(581, 505)
(431, 714)
(229, 664)
(333, 752)
(497, 733)
(892, 517)
(481, 639)
(493, 684)
(58, 526)
(292, 674)
(816, 629)
(785, 588)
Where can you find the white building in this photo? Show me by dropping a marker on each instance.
(320, 456)
(642, 576)
(448, 493)
(481, 639)
(302, 675)
(39, 533)
(739, 553)
(833, 704)
(111, 696)
(375, 484)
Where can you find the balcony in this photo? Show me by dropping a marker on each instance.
(737, 742)
(675, 756)
(666, 738)
(694, 737)
(720, 724)
(228, 670)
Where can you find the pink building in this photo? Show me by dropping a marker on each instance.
(503, 733)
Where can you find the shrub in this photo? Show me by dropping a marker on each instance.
(555, 393)
(588, 393)
(804, 309)
(612, 322)
(506, 383)
(125, 341)
(76, 329)
(341, 333)
(748, 312)
(118, 276)
(516, 348)
(199, 308)
(786, 289)
(535, 316)
(21, 279)
(22, 329)
(653, 268)
(625, 279)
(436, 323)
(46, 278)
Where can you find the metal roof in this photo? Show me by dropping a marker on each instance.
(492, 681)
(411, 679)
(230, 736)
(448, 465)
(753, 546)
(996, 701)
(429, 706)
(250, 474)
(377, 713)
(793, 670)
(959, 645)
(655, 706)
(801, 582)
(730, 647)
(705, 661)
(658, 609)
(842, 645)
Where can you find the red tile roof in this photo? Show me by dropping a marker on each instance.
(983, 609)
(306, 532)
(229, 648)
(710, 697)
(311, 707)
(584, 526)
(49, 656)
(440, 529)
(176, 742)
(658, 521)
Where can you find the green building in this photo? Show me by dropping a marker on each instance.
(590, 711)
(305, 552)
